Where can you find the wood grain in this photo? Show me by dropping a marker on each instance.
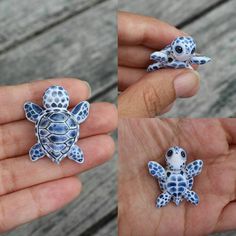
(172, 13)
(20, 22)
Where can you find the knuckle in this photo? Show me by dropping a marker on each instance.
(8, 179)
(151, 99)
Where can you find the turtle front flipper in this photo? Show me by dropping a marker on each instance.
(81, 111)
(194, 168)
(191, 197)
(36, 152)
(163, 200)
(76, 154)
(32, 111)
(156, 170)
(200, 60)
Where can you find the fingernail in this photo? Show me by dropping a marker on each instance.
(89, 88)
(186, 84)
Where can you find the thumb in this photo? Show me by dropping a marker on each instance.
(157, 90)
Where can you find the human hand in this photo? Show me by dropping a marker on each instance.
(143, 140)
(146, 94)
(29, 189)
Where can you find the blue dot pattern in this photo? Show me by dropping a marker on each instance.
(191, 196)
(36, 152)
(56, 97)
(156, 170)
(32, 111)
(163, 200)
(81, 111)
(76, 154)
(194, 168)
(170, 58)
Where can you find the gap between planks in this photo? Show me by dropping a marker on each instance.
(51, 25)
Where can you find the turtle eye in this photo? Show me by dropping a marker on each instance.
(179, 49)
(169, 153)
(193, 51)
(183, 154)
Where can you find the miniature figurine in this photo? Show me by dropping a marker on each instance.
(56, 128)
(179, 54)
(176, 181)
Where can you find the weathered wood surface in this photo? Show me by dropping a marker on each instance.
(24, 20)
(174, 13)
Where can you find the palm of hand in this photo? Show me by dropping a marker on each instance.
(212, 141)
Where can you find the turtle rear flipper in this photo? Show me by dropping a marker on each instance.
(191, 196)
(76, 154)
(163, 200)
(81, 111)
(36, 152)
(32, 111)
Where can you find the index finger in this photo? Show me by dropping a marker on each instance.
(135, 29)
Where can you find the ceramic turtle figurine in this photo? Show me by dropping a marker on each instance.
(179, 54)
(176, 181)
(56, 128)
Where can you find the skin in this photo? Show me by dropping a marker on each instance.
(50, 186)
(144, 94)
(143, 140)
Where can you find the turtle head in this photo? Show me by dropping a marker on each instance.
(183, 48)
(176, 158)
(55, 97)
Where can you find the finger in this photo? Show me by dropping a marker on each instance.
(96, 149)
(12, 98)
(229, 126)
(31, 203)
(155, 91)
(18, 137)
(134, 56)
(227, 219)
(147, 31)
(137, 57)
(167, 109)
(128, 76)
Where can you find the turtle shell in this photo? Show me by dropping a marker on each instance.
(57, 131)
(175, 184)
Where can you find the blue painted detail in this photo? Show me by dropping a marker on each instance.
(58, 117)
(81, 111)
(57, 129)
(32, 111)
(36, 152)
(76, 154)
(182, 50)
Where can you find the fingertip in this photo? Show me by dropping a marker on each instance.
(186, 84)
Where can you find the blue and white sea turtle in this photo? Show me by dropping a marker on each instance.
(179, 54)
(56, 128)
(176, 181)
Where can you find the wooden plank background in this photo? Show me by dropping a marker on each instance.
(77, 38)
